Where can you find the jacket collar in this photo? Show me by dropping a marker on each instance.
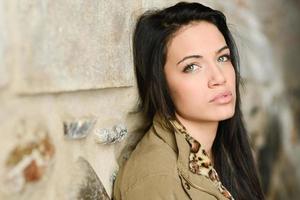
(179, 144)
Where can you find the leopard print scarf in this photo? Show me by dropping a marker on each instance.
(199, 161)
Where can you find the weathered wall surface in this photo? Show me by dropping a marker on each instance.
(68, 95)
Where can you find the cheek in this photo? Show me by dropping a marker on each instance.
(231, 79)
(187, 92)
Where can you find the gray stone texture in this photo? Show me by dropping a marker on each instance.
(78, 129)
(73, 45)
(68, 61)
(3, 40)
(86, 183)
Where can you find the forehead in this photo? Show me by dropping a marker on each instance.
(197, 37)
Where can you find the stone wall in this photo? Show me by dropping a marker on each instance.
(68, 94)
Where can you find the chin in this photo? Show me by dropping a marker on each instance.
(215, 115)
(222, 114)
(226, 115)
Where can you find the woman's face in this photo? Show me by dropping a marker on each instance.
(199, 73)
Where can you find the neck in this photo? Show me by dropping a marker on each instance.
(202, 131)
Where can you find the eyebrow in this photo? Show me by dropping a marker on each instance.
(199, 56)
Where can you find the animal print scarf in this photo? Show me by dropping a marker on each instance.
(199, 161)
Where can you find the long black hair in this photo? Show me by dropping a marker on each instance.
(233, 159)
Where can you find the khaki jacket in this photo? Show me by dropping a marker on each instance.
(158, 170)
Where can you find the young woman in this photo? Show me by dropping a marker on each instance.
(187, 70)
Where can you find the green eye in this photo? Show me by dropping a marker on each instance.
(190, 68)
(224, 58)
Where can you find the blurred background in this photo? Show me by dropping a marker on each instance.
(68, 95)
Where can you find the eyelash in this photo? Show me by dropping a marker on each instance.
(186, 68)
(227, 56)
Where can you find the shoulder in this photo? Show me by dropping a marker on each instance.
(151, 156)
(151, 164)
(159, 187)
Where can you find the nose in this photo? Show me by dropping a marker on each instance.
(216, 76)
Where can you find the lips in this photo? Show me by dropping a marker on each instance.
(223, 97)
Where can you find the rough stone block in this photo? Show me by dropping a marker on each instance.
(86, 183)
(111, 135)
(74, 45)
(3, 69)
(78, 129)
(28, 160)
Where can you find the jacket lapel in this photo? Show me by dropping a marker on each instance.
(179, 144)
(198, 181)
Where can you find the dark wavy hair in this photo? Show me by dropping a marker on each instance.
(233, 159)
